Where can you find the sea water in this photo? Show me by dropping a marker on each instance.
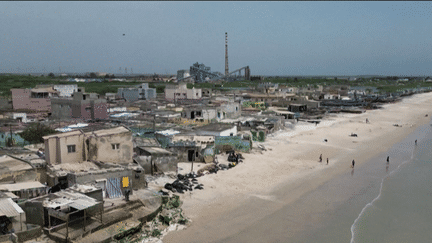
(401, 212)
(376, 202)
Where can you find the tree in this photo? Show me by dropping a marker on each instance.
(35, 132)
(93, 75)
(51, 75)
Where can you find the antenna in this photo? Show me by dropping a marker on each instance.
(226, 54)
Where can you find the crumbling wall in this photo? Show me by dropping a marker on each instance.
(165, 163)
(101, 148)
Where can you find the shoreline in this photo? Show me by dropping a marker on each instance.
(234, 199)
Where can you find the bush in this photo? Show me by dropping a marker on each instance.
(35, 132)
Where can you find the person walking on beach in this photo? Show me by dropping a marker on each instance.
(415, 142)
(388, 159)
(367, 120)
(327, 161)
(320, 158)
(353, 163)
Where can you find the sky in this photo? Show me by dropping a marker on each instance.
(272, 38)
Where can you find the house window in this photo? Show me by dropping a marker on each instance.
(115, 146)
(71, 148)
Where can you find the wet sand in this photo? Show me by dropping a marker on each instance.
(240, 205)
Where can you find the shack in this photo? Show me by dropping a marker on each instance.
(65, 214)
(157, 160)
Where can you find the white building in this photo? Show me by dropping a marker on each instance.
(181, 92)
(66, 90)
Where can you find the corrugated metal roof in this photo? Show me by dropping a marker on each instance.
(9, 208)
(21, 186)
(82, 204)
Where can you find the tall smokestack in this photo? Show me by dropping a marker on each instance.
(226, 54)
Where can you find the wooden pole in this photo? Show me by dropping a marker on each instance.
(67, 228)
(84, 219)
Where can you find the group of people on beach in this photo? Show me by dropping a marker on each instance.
(320, 159)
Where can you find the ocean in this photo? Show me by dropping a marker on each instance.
(375, 202)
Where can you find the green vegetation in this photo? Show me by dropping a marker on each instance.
(35, 132)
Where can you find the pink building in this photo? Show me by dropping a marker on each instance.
(37, 99)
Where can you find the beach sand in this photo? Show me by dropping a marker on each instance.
(267, 181)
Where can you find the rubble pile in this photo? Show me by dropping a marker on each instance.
(183, 183)
(170, 218)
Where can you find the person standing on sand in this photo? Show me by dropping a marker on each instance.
(367, 120)
(353, 163)
(320, 158)
(327, 161)
(415, 142)
(388, 159)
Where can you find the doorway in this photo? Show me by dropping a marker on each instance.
(191, 155)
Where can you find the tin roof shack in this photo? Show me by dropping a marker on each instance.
(37, 99)
(81, 105)
(65, 147)
(110, 145)
(14, 170)
(185, 150)
(25, 190)
(217, 129)
(64, 215)
(9, 211)
(157, 160)
(90, 191)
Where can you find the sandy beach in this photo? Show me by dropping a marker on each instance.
(267, 181)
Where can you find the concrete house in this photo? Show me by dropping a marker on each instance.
(81, 106)
(181, 92)
(141, 92)
(109, 145)
(37, 99)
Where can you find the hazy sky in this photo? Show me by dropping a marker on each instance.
(272, 38)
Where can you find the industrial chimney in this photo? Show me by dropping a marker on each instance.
(226, 54)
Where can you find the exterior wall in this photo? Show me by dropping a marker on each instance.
(61, 109)
(202, 141)
(99, 109)
(129, 94)
(206, 114)
(56, 151)
(194, 94)
(150, 94)
(66, 90)
(100, 148)
(89, 178)
(23, 117)
(34, 212)
(165, 163)
(232, 110)
(182, 92)
(21, 101)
